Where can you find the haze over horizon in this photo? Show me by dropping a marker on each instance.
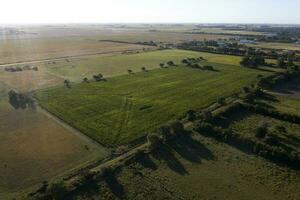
(150, 11)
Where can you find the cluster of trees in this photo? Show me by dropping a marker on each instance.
(286, 62)
(269, 149)
(164, 134)
(213, 47)
(233, 48)
(20, 100)
(168, 64)
(278, 78)
(98, 77)
(19, 69)
(195, 63)
(253, 61)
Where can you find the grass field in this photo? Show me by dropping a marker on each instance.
(246, 124)
(34, 148)
(283, 104)
(274, 45)
(112, 65)
(231, 32)
(198, 168)
(127, 107)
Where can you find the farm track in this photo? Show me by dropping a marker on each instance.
(73, 130)
(62, 58)
(126, 107)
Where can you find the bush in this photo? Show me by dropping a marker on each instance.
(57, 191)
(171, 63)
(271, 140)
(206, 115)
(153, 141)
(176, 128)
(208, 67)
(191, 115)
(221, 101)
(262, 130)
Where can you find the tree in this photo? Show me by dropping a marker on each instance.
(208, 67)
(161, 65)
(185, 61)
(171, 63)
(58, 191)
(144, 69)
(67, 83)
(98, 77)
(280, 62)
(261, 130)
(290, 62)
(221, 101)
(206, 115)
(191, 115)
(85, 80)
(153, 141)
(129, 71)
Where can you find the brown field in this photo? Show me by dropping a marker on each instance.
(29, 80)
(34, 148)
(21, 50)
(37, 43)
(274, 45)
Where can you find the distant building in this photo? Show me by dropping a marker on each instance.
(244, 41)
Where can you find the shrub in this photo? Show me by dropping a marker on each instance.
(208, 67)
(221, 101)
(171, 63)
(191, 115)
(57, 191)
(176, 128)
(153, 141)
(281, 129)
(272, 140)
(206, 115)
(262, 130)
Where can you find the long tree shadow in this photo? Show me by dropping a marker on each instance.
(86, 190)
(191, 149)
(114, 185)
(165, 153)
(146, 162)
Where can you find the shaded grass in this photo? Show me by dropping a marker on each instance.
(223, 173)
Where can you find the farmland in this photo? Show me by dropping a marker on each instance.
(112, 65)
(135, 104)
(13, 51)
(111, 137)
(279, 46)
(31, 142)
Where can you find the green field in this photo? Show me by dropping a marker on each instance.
(127, 107)
(112, 65)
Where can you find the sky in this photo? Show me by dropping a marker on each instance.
(149, 11)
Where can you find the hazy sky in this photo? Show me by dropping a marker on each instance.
(107, 11)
